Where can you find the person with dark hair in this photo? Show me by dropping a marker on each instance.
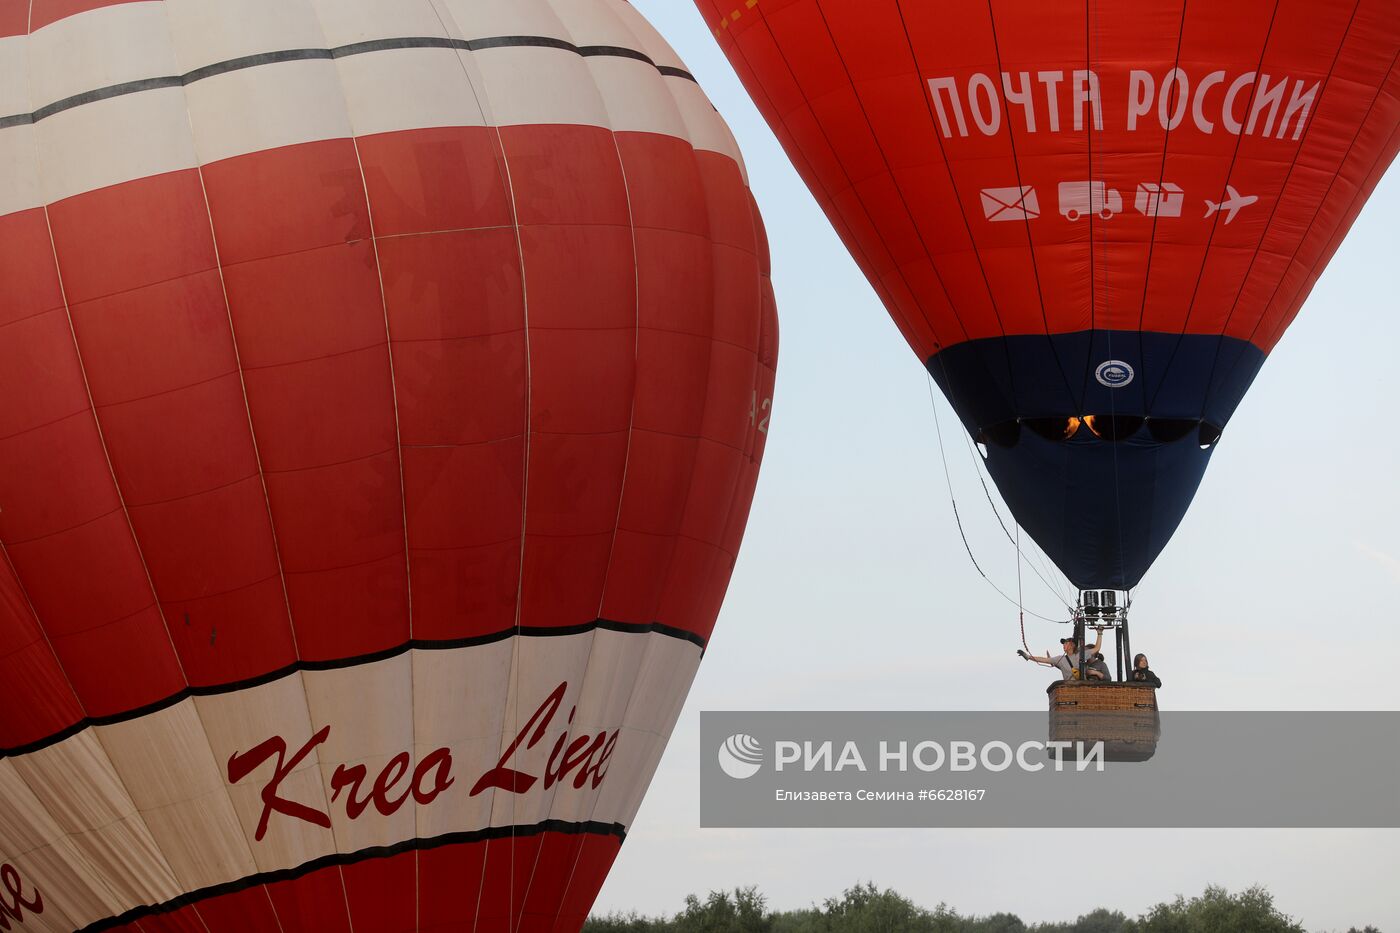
(1142, 674)
(1098, 666)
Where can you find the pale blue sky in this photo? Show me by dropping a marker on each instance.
(853, 590)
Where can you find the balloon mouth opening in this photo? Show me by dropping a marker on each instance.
(1101, 428)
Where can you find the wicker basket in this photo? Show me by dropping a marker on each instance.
(1121, 715)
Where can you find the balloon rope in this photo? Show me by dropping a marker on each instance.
(986, 491)
(948, 477)
(1019, 604)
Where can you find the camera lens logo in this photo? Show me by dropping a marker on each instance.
(1114, 373)
(741, 756)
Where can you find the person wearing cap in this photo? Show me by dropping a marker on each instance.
(1068, 661)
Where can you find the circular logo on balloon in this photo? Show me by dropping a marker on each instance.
(741, 756)
(1114, 373)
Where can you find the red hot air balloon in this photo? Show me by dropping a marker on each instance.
(383, 385)
(1091, 221)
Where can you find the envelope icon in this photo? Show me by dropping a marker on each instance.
(1000, 204)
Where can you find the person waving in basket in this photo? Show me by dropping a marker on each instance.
(1068, 661)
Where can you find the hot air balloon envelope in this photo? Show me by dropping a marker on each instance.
(1105, 211)
(383, 385)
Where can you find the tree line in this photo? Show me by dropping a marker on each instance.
(866, 908)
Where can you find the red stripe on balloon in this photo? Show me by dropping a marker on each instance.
(51, 11)
(251, 405)
(14, 18)
(534, 884)
(64, 526)
(904, 186)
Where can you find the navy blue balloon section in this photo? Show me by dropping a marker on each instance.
(1101, 505)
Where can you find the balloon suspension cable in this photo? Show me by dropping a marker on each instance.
(1016, 541)
(1019, 604)
(962, 533)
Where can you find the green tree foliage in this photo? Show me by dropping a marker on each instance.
(1096, 921)
(866, 908)
(1217, 911)
(744, 912)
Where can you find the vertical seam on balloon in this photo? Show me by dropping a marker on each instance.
(830, 200)
(1025, 216)
(748, 458)
(1314, 113)
(863, 259)
(503, 164)
(1368, 183)
(1215, 225)
(398, 446)
(651, 642)
(512, 920)
(1031, 245)
(68, 312)
(233, 342)
(487, 121)
(388, 337)
(884, 157)
(952, 306)
(1089, 122)
(593, 636)
(913, 222)
(1006, 349)
(1089, 218)
(759, 234)
(1341, 163)
(97, 424)
(243, 390)
(593, 643)
(622, 486)
(270, 904)
(204, 923)
(393, 384)
(1156, 213)
(257, 453)
(593, 647)
(855, 244)
(517, 658)
(136, 815)
(91, 873)
(44, 632)
(637, 307)
(636, 362)
(247, 408)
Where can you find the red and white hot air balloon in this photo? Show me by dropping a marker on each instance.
(383, 385)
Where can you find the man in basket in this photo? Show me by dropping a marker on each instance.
(1068, 662)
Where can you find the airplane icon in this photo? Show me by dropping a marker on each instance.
(1230, 205)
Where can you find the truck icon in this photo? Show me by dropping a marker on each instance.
(1078, 198)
